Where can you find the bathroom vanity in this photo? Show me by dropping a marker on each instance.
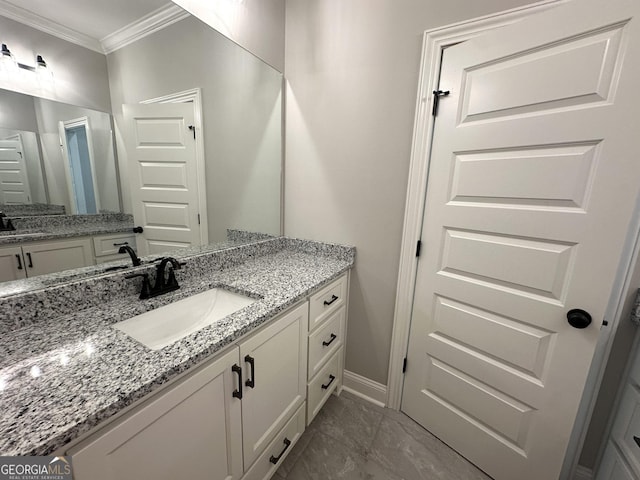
(47, 244)
(228, 401)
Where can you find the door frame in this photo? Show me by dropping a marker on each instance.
(434, 42)
(63, 125)
(194, 95)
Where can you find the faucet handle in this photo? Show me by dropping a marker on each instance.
(146, 285)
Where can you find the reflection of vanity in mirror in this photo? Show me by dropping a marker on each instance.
(83, 162)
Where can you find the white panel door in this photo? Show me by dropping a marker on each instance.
(533, 180)
(14, 184)
(162, 174)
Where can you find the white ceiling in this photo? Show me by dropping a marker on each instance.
(93, 18)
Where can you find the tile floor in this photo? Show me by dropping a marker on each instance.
(354, 439)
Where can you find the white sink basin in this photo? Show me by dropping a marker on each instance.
(163, 326)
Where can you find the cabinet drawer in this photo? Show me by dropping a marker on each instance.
(327, 301)
(323, 385)
(325, 340)
(263, 468)
(104, 244)
(627, 427)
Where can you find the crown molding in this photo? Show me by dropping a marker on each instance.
(154, 21)
(47, 26)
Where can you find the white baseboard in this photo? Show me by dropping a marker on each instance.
(583, 473)
(365, 388)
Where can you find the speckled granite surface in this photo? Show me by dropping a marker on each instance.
(52, 227)
(32, 209)
(62, 374)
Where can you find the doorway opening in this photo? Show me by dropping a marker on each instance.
(77, 148)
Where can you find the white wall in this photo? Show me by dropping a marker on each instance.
(242, 117)
(352, 68)
(80, 74)
(256, 25)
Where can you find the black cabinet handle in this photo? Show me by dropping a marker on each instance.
(251, 382)
(19, 258)
(120, 244)
(333, 337)
(332, 378)
(30, 261)
(238, 393)
(138, 229)
(275, 460)
(637, 440)
(333, 299)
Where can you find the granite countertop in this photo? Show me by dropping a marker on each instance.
(62, 377)
(53, 227)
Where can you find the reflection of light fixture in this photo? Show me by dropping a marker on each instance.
(8, 62)
(42, 70)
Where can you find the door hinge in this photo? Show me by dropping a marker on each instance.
(418, 248)
(404, 365)
(436, 100)
(198, 219)
(193, 129)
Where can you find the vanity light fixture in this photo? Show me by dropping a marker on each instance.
(8, 64)
(42, 70)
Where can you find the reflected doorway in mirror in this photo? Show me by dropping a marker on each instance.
(77, 150)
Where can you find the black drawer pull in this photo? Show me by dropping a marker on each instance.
(19, 258)
(275, 460)
(251, 382)
(333, 299)
(238, 370)
(30, 261)
(332, 378)
(120, 244)
(637, 440)
(333, 337)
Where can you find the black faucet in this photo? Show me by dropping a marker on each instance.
(5, 227)
(161, 285)
(132, 254)
(169, 284)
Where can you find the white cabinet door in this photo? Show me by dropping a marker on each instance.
(50, 257)
(275, 371)
(613, 467)
(11, 264)
(191, 431)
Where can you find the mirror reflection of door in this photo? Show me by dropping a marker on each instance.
(14, 184)
(77, 149)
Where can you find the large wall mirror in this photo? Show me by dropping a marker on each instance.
(240, 104)
(67, 155)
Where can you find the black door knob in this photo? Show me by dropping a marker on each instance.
(578, 318)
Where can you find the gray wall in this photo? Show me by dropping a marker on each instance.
(242, 117)
(80, 74)
(17, 112)
(353, 69)
(257, 25)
